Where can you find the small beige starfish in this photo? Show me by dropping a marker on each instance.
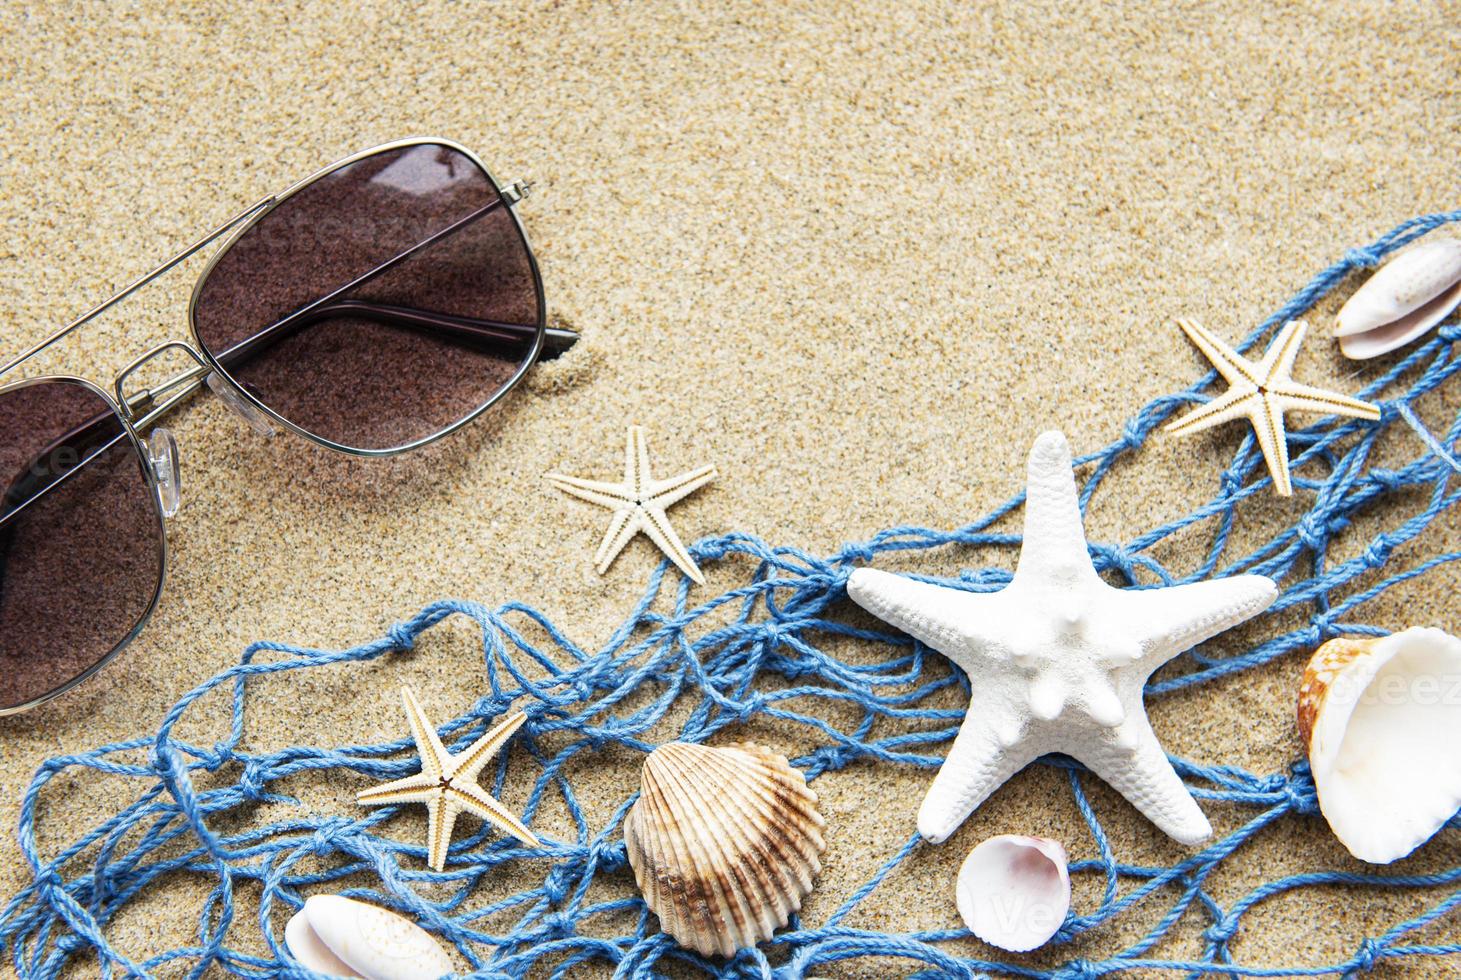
(1261, 393)
(639, 504)
(447, 783)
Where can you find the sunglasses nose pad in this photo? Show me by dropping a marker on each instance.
(240, 405)
(162, 457)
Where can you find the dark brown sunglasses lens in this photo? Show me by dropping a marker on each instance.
(379, 305)
(81, 541)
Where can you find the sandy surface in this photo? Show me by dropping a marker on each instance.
(857, 258)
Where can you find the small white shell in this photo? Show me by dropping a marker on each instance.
(1408, 296)
(341, 937)
(1013, 892)
(1382, 725)
(724, 843)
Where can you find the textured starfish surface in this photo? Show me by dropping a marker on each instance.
(639, 504)
(1057, 660)
(1261, 393)
(447, 783)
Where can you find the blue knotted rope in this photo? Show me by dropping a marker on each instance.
(715, 656)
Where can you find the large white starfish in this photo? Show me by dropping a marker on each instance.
(1057, 660)
(1261, 393)
(639, 504)
(447, 783)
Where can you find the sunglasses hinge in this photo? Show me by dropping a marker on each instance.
(515, 190)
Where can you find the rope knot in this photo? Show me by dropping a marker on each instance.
(1378, 552)
(1387, 480)
(609, 857)
(862, 554)
(1313, 531)
(1078, 970)
(1371, 951)
(559, 925)
(487, 706)
(218, 758)
(1301, 797)
(251, 780)
(1362, 257)
(322, 842)
(1230, 483)
(402, 636)
(555, 886)
(1222, 931)
(1120, 560)
(794, 670)
(753, 705)
(1132, 435)
(597, 738)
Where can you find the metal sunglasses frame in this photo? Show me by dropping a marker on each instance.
(143, 410)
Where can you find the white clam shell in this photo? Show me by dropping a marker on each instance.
(1014, 891)
(1381, 720)
(1409, 295)
(341, 937)
(724, 843)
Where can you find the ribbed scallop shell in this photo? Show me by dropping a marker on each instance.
(724, 843)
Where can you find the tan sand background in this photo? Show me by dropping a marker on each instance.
(857, 256)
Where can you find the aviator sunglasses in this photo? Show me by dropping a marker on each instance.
(374, 307)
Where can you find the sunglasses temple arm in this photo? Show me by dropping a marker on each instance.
(483, 332)
(556, 340)
(126, 291)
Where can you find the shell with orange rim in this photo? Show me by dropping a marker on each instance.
(724, 843)
(1381, 721)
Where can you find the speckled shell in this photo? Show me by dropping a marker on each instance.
(341, 937)
(1381, 722)
(1408, 296)
(724, 843)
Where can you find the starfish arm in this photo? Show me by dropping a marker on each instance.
(474, 799)
(428, 744)
(610, 495)
(469, 762)
(1268, 427)
(949, 620)
(1278, 360)
(413, 789)
(1054, 541)
(622, 528)
(658, 527)
(636, 460)
(441, 817)
(1137, 768)
(1234, 367)
(986, 752)
(1305, 398)
(1235, 403)
(1170, 620)
(665, 493)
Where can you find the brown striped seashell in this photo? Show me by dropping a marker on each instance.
(1381, 722)
(724, 843)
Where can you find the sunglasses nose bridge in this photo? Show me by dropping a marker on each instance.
(240, 405)
(161, 450)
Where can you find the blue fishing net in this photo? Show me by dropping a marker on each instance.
(758, 651)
